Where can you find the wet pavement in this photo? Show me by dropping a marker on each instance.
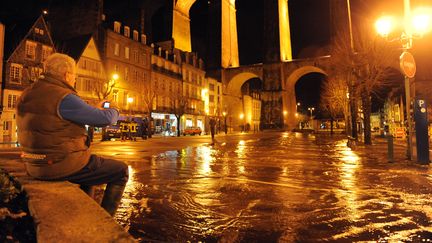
(273, 187)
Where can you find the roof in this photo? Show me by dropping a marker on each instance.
(19, 29)
(74, 47)
(15, 33)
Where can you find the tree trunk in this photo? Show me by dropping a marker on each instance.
(178, 125)
(366, 114)
(353, 105)
(331, 125)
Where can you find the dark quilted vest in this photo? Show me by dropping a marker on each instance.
(52, 147)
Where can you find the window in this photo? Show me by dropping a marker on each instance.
(136, 75)
(117, 26)
(88, 85)
(15, 74)
(30, 50)
(116, 69)
(126, 73)
(135, 35)
(211, 87)
(127, 31)
(35, 72)
(39, 31)
(135, 56)
(46, 52)
(143, 39)
(144, 59)
(12, 99)
(116, 49)
(126, 52)
(211, 98)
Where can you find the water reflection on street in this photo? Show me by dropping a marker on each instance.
(281, 188)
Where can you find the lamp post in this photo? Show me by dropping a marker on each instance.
(242, 121)
(311, 109)
(414, 27)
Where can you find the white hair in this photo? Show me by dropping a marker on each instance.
(58, 64)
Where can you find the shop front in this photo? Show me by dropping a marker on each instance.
(189, 121)
(164, 124)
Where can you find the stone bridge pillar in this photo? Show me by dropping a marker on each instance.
(181, 25)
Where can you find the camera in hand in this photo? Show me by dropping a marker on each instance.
(106, 105)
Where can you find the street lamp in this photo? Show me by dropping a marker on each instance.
(311, 109)
(225, 123)
(297, 105)
(241, 118)
(414, 27)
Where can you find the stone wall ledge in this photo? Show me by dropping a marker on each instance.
(62, 212)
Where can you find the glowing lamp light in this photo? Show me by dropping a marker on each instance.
(241, 116)
(224, 113)
(130, 99)
(115, 76)
(285, 113)
(421, 23)
(384, 25)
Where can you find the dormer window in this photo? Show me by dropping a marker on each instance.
(143, 39)
(127, 31)
(30, 50)
(117, 26)
(135, 35)
(39, 31)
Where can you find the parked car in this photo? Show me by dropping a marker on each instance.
(111, 131)
(192, 131)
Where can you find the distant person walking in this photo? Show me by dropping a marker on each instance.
(51, 130)
(212, 127)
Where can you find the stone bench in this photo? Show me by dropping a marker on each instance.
(62, 212)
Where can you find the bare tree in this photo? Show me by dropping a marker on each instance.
(104, 89)
(368, 66)
(179, 103)
(334, 98)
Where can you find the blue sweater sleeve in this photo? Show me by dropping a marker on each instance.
(74, 109)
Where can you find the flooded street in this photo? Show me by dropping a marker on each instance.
(276, 187)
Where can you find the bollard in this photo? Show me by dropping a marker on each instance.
(390, 148)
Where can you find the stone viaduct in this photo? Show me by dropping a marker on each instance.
(279, 72)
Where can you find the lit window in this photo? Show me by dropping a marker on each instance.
(117, 26)
(126, 31)
(12, 100)
(135, 56)
(127, 52)
(15, 74)
(135, 35)
(30, 50)
(46, 52)
(116, 49)
(35, 72)
(143, 39)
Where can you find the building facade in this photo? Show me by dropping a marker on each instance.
(126, 54)
(91, 79)
(195, 91)
(22, 68)
(167, 84)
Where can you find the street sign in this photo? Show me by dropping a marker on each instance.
(407, 64)
(421, 126)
